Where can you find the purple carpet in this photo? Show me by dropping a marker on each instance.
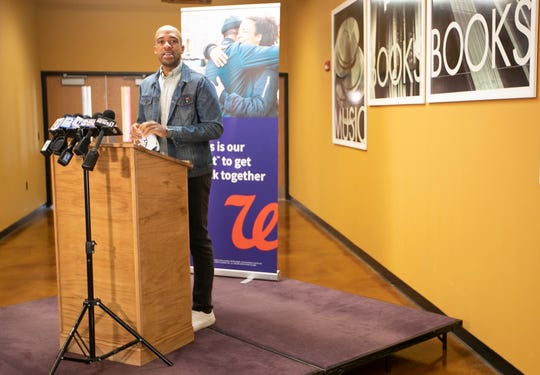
(263, 327)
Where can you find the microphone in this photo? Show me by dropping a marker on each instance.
(58, 143)
(109, 113)
(46, 148)
(107, 126)
(56, 126)
(67, 154)
(90, 130)
(106, 122)
(66, 125)
(92, 155)
(61, 129)
(78, 119)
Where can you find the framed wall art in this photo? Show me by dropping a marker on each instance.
(481, 49)
(396, 52)
(349, 122)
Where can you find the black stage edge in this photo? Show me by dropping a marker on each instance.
(340, 368)
(317, 370)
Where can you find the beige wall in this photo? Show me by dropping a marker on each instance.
(104, 36)
(447, 197)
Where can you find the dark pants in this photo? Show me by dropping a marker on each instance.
(200, 242)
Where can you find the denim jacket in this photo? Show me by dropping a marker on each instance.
(194, 118)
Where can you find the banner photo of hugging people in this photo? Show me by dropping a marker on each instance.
(237, 48)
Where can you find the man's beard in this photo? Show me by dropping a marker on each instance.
(171, 63)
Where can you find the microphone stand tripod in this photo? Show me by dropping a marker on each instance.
(89, 304)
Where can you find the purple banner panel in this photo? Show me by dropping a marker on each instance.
(243, 214)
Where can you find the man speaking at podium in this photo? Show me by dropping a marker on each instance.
(181, 108)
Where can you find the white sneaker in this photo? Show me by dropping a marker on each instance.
(201, 320)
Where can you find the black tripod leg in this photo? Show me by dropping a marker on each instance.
(134, 333)
(68, 340)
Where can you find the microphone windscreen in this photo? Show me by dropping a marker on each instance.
(109, 114)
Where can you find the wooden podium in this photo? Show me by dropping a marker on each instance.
(139, 222)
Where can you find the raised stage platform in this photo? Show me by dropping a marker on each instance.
(263, 327)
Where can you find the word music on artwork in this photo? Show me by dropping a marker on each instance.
(350, 122)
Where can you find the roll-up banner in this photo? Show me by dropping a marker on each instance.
(237, 48)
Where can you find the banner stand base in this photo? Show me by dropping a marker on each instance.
(250, 275)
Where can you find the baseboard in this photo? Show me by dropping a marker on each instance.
(22, 222)
(485, 352)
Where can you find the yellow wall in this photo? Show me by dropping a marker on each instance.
(22, 168)
(447, 197)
